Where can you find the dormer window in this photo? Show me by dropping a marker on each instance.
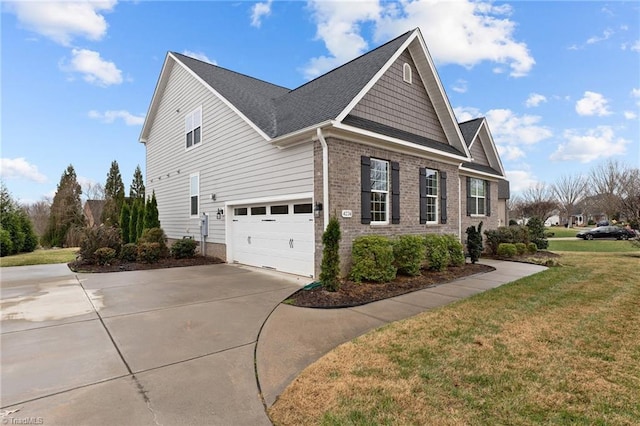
(406, 73)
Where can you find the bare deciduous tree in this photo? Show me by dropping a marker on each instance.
(605, 181)
(569, 190)
(93, 191)
(39, 212)
(538, 201)
(630, 195)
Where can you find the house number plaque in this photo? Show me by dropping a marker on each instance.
(347, 213)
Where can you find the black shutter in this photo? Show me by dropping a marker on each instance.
(469, 198)
(365, 196)
(423, 195)
(487, 194)
(443, 197)
(395, 192)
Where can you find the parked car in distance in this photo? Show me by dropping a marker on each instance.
(614, 232)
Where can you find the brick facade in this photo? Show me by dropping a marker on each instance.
(345, 189)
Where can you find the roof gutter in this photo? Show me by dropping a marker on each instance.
(325, 177)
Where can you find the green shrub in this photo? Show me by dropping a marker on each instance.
(6, 246)
(372, 259)
(536, 233)
(104, 255)
(474, 242)
(521, 248)
(129, 252)
(437, 252)
(98, 237)
(330, 268)
(507, 250)
(506, 234)
(512, 222)
(155, 235)
(149, 252)
(184, 248)
(408, 254)
(456, 250)
(532, 248)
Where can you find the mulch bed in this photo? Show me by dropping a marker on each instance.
(356, 294)
(118, 266)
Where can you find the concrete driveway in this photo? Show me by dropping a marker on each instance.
(171, 346)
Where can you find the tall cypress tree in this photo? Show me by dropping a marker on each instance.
(137, 189)
(66, 209)
(125, 217)
(151, 213)
(140, 221)
(114, 194)
(133, 222)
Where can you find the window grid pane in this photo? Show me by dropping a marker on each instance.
(194, 205)
(478, 195)
(379, 190)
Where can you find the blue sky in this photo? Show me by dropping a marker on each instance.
(559, 82)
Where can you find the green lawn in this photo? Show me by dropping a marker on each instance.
(40, 257)
(603, 246)
(562, 232)
(558, 347)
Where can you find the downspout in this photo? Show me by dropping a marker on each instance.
(325, 176)
(460, 209)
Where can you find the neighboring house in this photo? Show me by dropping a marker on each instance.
(93, 212)
(374, 143)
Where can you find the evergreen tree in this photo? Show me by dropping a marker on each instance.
(125, 217)
(133, 222)
(66, 210)
(151, 213)
(114, 194)
(330, 269)
(137, 189)
(140, 221)
(474, 242)
(17, 234)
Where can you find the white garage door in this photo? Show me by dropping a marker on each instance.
(276, 235)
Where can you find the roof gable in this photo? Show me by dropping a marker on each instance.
(478, 139)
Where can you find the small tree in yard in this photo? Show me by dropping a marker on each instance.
(151, 213)
(536, 233)
(330, 268)
(125, 217)
(474, 242)
(133, 222)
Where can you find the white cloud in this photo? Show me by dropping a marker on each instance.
(199, 55)
(630, 115)
(596, 39)
(460, 86)
(466, 113)
(592, 103)
(635, 93)
(111, 116)
(259, 11)
(19, 168)
(520, 180)
(95, 70)
(509, 128)
(594, 144)
(61, 21)
(462, 32)
(535, 99)
(510, 152)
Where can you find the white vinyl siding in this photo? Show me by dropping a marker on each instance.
(233, 160)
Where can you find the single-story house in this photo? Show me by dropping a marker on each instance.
(374, 143)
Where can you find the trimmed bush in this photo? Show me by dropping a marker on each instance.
(330, 268)
(184, 248)
(372, 259)
(474, 242)
(6, 245)
(507, 250)
(155, 235)
(456, 250)
(149, 252)
(437, 252)
(536, 233)
(98, 237)
(129, 252)
(521, 248)
(532, 248)
(506, 234)
(104, 255)
(408, 254)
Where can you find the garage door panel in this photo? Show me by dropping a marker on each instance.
(284, 242)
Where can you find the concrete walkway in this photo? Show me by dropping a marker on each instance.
(293, 338)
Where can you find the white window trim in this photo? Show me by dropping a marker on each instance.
(407, 73)
(191, 115)
(436, 197)
(388, 200)
(191, 195)
(477, 198)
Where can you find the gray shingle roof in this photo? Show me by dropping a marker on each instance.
(481, 168)
(279, 111)
(469, 129)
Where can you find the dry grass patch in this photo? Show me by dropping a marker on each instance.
(562, 346)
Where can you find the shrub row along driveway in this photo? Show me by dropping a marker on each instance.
(172, 346)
